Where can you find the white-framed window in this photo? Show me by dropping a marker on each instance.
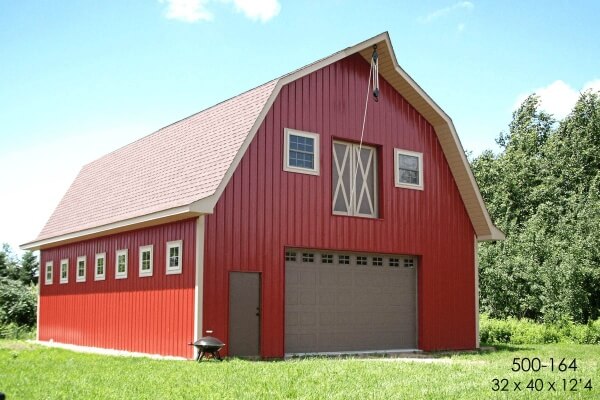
(81, 269)
(100, 267)
(121, 264)
(300, 152)
(174, 257)
(354, 180)
(48, 280)
(146, 260)
(408, 169)
(64, 270)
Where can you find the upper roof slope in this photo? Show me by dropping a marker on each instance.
(183, 168)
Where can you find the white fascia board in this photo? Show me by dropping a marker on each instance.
(126, 223)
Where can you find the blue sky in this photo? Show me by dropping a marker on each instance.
(81, 78)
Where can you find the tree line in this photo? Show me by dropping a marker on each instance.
(543, 191)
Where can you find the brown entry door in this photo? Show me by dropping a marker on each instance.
(244, 314)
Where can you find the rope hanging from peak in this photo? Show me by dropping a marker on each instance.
(374, 77)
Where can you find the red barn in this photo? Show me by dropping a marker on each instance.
(268, 222)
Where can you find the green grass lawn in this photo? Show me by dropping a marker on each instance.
(34, 372)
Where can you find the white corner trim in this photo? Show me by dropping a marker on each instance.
(199, 281)
(476, 260)
(39, 304)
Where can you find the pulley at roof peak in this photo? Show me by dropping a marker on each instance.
(375, 73)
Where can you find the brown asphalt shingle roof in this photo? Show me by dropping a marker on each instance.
(175, 166)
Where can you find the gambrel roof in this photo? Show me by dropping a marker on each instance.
(181, 170)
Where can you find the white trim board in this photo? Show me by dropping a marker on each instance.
(199, 282)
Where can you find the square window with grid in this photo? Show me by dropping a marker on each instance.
(394, 262)
(361, 260)
(327, 258)
(409, 263)
(377, 261)
(290, 256)
(301, 152)
(308, 257)
(344, 260)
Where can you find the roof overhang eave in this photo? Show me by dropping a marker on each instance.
(156, 218)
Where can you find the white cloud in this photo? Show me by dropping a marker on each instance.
(558, 98)
(262, 10)
(188, 10)
(196, 10)
(432, 16)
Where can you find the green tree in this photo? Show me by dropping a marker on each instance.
(29, 269)
(543, 190)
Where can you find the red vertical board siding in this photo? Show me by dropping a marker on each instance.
(264, 209)
(149, 315)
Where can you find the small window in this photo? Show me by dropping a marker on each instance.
(290, 256)
(409, 263)
(64, 271)
(121, 264)
(174, 257)
(361, 260)
(301, 152)
(146, 260)
(408, 169)
(81, 267)
(377, 261)
(308, 257)
(100, 267)
(394, 262)
(48, 273)
(344, 260)
(327, 258)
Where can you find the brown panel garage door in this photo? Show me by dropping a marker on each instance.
(349, 302)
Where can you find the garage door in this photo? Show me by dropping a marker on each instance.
(349, 302)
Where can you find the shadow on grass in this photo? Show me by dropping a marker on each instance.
(509, 348)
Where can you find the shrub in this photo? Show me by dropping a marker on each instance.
(18, 332)
(17, 303)
(525, 331)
